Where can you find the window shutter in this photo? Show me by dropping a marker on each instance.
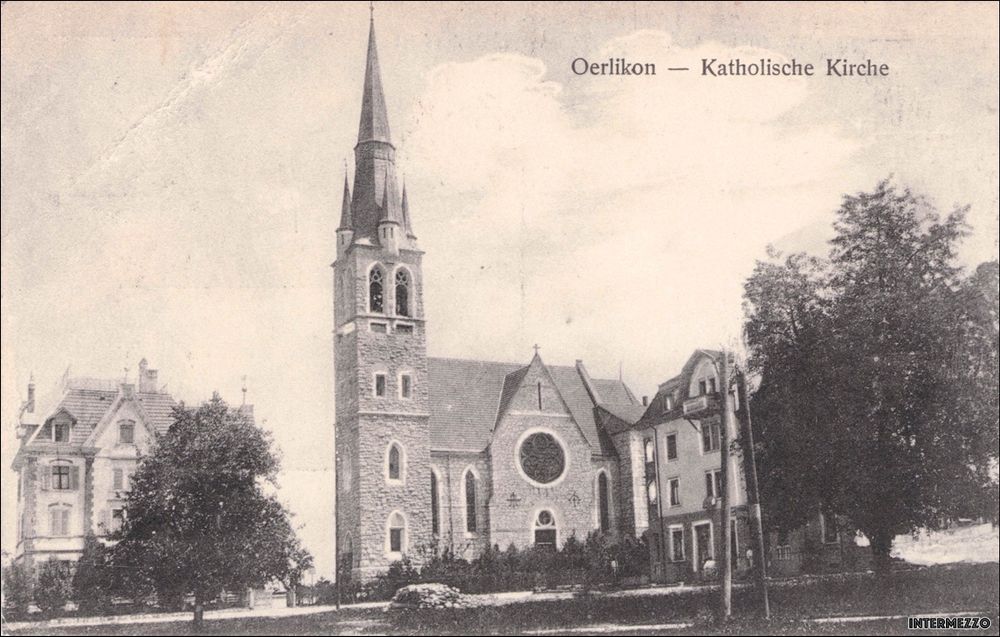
(46, 478)
(53, 521)
(74, 478)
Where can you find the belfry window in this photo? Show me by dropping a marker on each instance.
(375, 295)
(402, 293)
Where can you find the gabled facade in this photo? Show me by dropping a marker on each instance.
(77, 453)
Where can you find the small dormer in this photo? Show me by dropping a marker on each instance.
(704, 379)
(58, 428)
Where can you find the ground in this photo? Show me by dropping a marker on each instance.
(942, 589)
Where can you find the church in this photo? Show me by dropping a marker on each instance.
(435, 453)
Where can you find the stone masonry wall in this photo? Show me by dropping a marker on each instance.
(367, 424)
(451, 468)
(516, 501)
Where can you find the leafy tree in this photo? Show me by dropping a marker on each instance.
(54, 587)
(877, 398)
(93, 581)
(18, 588)
(198, 520)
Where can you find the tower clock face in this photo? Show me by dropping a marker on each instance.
(542, 458)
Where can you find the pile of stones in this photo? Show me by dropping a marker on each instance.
(428, 596)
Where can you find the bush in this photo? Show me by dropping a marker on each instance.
(18, 589)
(325, 591)
(54, 587)
(594, 562)
(401, 573)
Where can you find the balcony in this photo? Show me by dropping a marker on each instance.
(701, 404)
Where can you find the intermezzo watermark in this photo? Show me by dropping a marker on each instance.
(948, 623)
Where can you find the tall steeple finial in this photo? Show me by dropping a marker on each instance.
(374, 120)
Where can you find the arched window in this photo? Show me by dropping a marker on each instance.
(435, 517)
(395, 463)
(471, 523)
(346, 558)
(545, 529)
(402, 293)
(395, 534)
(375, 296)
(603, 503)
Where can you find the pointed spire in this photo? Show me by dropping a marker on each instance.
(405, 205)
(374, 120)
(345, 210)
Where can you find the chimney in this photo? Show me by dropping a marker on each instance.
(147, 378)
(645, 401)
(30, 405)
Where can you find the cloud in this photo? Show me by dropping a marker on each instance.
(652, 194)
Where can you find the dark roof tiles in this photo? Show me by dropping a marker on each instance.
(468, 397)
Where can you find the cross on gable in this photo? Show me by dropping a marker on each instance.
(514, 500)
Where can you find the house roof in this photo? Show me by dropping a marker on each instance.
(87, 402)
(467, 398)
(676, 386)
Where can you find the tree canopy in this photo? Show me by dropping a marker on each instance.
(198, 519)
(877, 369)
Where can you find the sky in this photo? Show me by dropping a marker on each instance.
(172, 175)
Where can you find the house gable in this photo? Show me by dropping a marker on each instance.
(107, 431)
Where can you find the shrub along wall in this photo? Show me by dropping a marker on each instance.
(595, 562)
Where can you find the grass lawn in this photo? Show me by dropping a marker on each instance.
(936, 589)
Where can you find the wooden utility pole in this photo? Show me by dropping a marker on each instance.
(753, 494)
(726, 566)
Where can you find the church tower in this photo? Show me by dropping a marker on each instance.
(380, 358)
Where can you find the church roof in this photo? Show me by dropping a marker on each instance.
(467, 397)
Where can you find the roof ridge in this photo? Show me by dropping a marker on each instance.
(472, 360)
